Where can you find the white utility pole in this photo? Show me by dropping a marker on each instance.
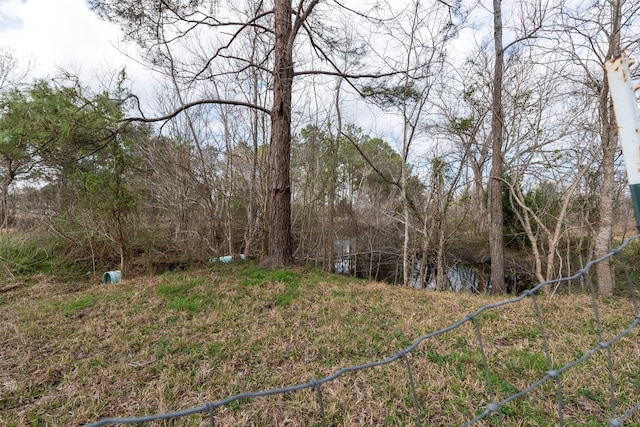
(623, 93)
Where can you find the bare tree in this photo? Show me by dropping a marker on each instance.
(422, 37)
(531, 20)
(12, 71)
(463, 113)
(204, 36)
(160, 27)
(592, 34)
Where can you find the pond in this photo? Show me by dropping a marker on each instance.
(458, 278)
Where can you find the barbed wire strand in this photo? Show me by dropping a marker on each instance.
(492, 407)
(618, 421)
(412, 384)
(485, 364)
(212, 417)
(632, 290)
(547, 353)
(320, 401)
(596, 312)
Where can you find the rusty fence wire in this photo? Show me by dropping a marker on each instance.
(494, 408)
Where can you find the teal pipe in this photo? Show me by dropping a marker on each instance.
(111, 277)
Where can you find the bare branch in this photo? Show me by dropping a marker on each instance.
(193, 104)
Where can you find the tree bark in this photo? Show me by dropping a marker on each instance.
(407, 218)
(495, 220)
(609, 142)
(4, 210)
(252, 212)
(331, 198)
(280, 239)
(479, 207)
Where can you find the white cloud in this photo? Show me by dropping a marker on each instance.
(62, 34)
(8, 18)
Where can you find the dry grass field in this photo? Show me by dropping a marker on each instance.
(73, 353)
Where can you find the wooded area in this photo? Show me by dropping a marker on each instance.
(415, 142)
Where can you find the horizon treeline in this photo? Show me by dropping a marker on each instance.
(406, 157)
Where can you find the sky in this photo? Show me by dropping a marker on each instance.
(64, 34)
(54, 34)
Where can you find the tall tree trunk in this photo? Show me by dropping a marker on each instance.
(7, 180)
(280, 239)
(495, 221)
(422, 278)
(4, 211)
(441, 269)
(609, 141)
(479, 207)
(331, 201)
(252, 214)
(405, 207)
(228, 183)
(255, 244)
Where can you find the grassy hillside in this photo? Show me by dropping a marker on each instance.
(72, 353)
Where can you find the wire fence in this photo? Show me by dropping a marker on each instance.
(494, 408)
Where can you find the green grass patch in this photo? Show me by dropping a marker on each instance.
(180, 295)
(73, 354)
(24, 257)
(78, 304)
(264, 277)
